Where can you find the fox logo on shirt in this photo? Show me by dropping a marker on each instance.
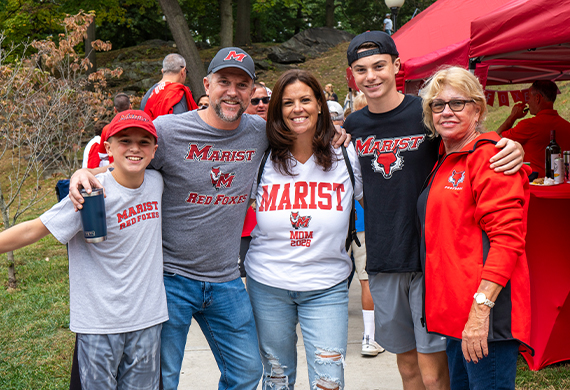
(387, 163)
(386, 151)
(299, 221)
(220, 179)
(456, 178)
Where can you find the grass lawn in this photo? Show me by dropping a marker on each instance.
(36, 345)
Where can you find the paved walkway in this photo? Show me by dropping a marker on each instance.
(200, 372)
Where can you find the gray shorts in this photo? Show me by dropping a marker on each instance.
(397, 312)
(120, 361)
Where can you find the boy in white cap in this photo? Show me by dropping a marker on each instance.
(117, 296)
(337, 113)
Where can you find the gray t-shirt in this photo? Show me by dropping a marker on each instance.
(208, 175)
(115, 286)
(178, 108)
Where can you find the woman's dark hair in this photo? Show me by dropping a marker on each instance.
(281, 138)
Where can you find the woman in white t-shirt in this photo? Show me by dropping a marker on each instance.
(297, 265)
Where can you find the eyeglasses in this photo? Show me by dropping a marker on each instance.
(255, 101)
(186, 69)
(455, 105)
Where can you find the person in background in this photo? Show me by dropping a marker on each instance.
(388, 25)
(297, 266)
(259, 102)
(481, 304)
(169, 95)
(360, 102)
(369, 345)
(329, 93)
(346, 103)
(203, 102)
(534, 133)
(337, 113)
(266, 88)
(95, 154)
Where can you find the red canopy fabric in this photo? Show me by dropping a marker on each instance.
(438, 36)
(522, 41)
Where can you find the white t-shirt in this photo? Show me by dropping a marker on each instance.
(388, 23)
(115, 286)
(302, 224)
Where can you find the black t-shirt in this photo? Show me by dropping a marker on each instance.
(396, 156)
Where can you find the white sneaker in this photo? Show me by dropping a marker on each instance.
(370, 347)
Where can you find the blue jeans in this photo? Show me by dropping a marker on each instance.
(224, 314)
(495, 371)
(323, 315)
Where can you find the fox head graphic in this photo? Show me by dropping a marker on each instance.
(456, 178)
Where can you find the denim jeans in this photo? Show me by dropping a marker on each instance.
(323, 315)
(495, 371)
(120, 361)
(224, 314)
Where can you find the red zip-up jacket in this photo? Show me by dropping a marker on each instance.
(473, 224)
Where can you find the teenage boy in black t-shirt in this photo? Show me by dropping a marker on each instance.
(396, 156)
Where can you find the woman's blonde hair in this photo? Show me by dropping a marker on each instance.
(359, 102)
(459, 79)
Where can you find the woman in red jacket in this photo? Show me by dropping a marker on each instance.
(473, 223)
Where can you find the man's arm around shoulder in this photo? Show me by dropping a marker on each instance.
(84, 178)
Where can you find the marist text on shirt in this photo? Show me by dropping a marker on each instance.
(305, 195)
(371, 146)
(140, 212)
(207, 153)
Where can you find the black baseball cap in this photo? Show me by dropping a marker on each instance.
(233, 57)
(384, 42)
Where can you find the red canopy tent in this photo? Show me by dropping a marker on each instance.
(522, 41)
(437, 36)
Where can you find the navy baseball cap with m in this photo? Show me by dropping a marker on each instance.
(233, 57)
(384, 42)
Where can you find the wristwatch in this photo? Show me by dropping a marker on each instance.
(481, 299)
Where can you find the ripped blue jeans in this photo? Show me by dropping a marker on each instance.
(323, 316)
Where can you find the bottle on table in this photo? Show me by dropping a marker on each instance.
(552, 153)
(567, 166)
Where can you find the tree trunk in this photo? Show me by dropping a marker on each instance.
(329, 21)
(257, 29)
(299, 20)
(12, 283)
(185, 44)
(226, 23)
(243, 33)
(89, 51)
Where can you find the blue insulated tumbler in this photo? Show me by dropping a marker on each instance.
(93, 216)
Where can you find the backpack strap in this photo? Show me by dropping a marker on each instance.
(351, 226)
(262, 166)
